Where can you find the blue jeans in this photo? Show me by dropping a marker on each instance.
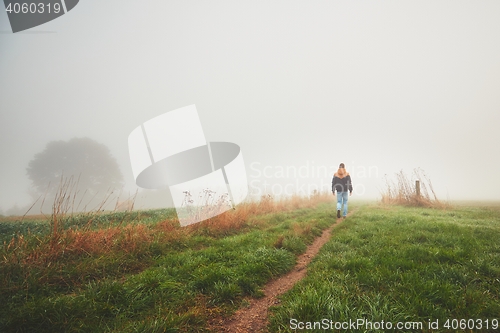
(342, 197)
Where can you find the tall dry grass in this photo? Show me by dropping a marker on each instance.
(402, 191)
(232, 221)
(132, 238)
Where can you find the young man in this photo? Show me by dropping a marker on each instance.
(341, 183)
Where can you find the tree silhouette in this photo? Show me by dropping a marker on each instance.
(89, 163)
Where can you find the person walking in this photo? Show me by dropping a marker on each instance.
(342, 183)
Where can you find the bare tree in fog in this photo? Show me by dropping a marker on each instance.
(89, 163)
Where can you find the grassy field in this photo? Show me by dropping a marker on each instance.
(141, 272)
(400, 264)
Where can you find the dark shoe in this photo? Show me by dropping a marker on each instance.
(344, 217)
(338, 213)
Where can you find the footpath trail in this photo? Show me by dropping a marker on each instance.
(254, 317)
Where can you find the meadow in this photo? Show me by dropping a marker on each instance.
(405, 265)
(142, 272)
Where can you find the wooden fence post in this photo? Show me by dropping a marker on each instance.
(417, 187)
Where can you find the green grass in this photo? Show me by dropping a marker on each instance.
(39, 226)
(383, 263)
(159, 286)
(402, 264)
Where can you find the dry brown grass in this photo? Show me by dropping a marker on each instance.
(234, 220)
(306, 229)
(402, 191)
(136, 237)
(72, 242)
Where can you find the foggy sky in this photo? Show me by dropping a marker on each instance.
(382, 86)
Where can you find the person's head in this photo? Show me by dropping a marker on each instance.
(341, 171)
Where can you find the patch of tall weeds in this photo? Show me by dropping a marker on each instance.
(403, 191)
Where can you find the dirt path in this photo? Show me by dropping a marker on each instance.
(254, 317)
